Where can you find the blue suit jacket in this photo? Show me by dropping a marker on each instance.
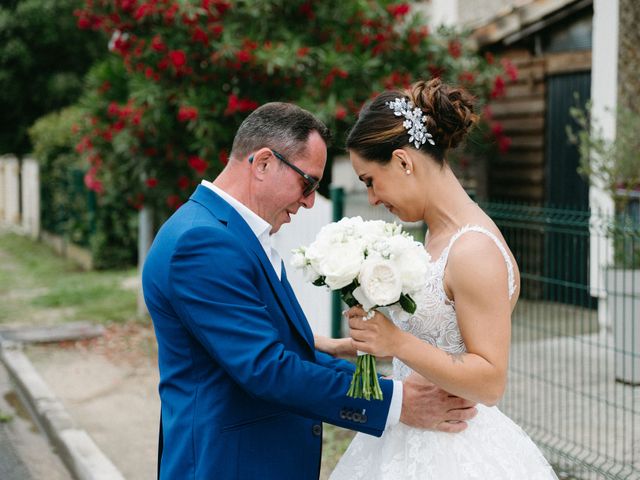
(243, 390)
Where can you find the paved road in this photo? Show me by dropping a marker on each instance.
(25, 453)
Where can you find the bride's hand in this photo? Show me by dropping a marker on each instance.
(334, 346)
(377, 335)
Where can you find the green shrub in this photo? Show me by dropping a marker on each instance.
(104, 224)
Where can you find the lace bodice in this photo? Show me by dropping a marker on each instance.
(435, 319)
(491, 447)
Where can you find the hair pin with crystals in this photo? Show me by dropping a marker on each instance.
(414, 121)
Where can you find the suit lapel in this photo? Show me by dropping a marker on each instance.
(227, 214)
(294, 301)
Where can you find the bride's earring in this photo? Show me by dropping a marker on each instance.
(407, 171)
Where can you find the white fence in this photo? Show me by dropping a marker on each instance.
(315, 301)
(20, 194)
(30, 181)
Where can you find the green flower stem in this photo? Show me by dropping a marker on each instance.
(364, 383)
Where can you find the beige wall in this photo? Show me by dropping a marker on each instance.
(469, 12)
(472, 11)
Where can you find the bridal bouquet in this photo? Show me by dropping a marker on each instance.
(372, 263)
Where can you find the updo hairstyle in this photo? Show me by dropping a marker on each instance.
(378, 131)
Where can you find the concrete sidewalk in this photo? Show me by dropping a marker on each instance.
(97, 399)
(25, 453)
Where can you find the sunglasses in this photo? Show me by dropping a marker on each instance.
(311, 183)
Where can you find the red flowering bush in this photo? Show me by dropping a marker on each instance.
(163, 110)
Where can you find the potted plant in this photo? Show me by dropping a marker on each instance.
(615, 167)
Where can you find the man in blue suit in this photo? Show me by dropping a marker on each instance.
(243, 390)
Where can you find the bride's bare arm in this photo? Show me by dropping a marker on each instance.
(479, 287)
(337, 347)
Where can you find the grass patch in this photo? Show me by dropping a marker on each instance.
(335, 441)
(35, 283)
(5, 417)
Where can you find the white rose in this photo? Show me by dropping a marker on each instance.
(339, 263)
(310, 274)
(298, 259)
(413, 264)
(380, 283)
(340, 231)
(373, 228)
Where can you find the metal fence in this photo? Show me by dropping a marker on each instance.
(574, 377)
(67, 206)
(575, 358)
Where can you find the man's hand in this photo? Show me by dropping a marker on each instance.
(426, 406)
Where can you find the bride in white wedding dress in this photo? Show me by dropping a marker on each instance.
(459, 336)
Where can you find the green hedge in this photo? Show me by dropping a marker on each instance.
(103, 223)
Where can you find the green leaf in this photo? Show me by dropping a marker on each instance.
(407, 303)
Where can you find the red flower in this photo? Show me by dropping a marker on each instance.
(216, 29)
(157, 44)
(223, 156)
(113, 110)
(455, 48)
(91, 182)
(84, 144)
(244, 56)
(466, 77)
(152, 182)
(200, 36)
(143, 10)
(435, 70)
(222, 6)
(497, 129)
(107, 135)
(365, 40)
(178, 58)
(198, 164)
(105, 87)
(416, 36)
(335, 71)
(398, 10)
(173, 201)
(183, 183)
(127, 5)
(170, 13)
(397, 79)
(510, 69)
(489, 57)
(307, 10)
(340, 112)
(186, 113)
(498, 87)
(302, 52)
(236, 104)
(504, 143)
(83, 23)
(126, 111)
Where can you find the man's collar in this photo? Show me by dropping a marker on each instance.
(258, 225)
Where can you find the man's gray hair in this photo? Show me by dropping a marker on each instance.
(283, 127)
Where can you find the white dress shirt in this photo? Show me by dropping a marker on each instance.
(261, 228)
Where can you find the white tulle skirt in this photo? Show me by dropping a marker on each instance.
(491, 448)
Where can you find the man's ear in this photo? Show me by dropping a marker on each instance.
(261, 160)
